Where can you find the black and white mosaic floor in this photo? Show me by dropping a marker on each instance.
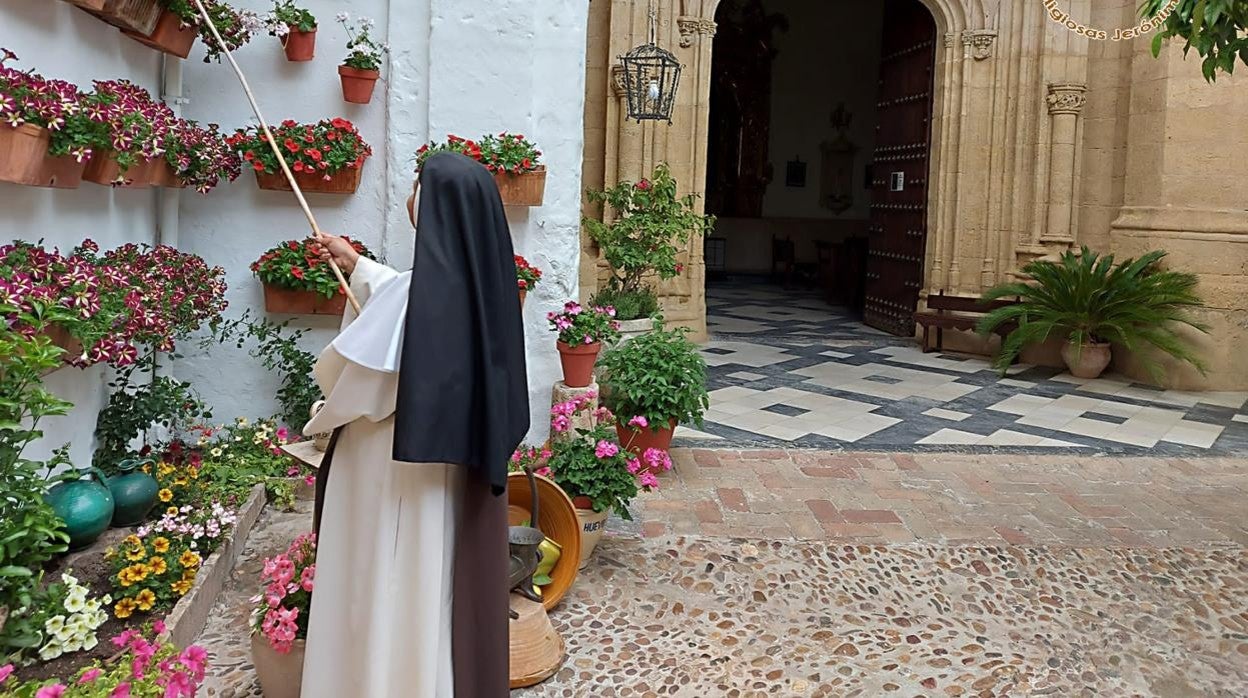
(787, 369)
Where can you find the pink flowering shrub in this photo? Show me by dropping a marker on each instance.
(281, 609)
(578, 325)
(145, 667)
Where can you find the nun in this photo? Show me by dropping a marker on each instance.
(426, 394)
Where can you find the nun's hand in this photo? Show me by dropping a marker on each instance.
(335, 248)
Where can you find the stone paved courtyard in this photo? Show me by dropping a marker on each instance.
(825, 574)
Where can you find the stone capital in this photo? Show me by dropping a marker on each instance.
(1066, 97)
(979, 42)
(617, 81)
(691, 27)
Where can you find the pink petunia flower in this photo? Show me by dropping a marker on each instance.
(54, 691)
(90, 675)
(122, 691)
(5, 671)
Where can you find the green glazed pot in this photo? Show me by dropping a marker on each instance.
(86, 507)
(134, 493)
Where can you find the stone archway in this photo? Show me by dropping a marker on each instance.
(1004, 167)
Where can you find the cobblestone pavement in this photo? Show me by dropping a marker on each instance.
(806, 574)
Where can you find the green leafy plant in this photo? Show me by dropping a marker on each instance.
(659, 375)
(235, 26)
(277, 348)
(578, 325)
(647, 220)
(588, 462)
(1217, 29)
(133, 411)
(295, 265)
(629, 305)
(326, 147)
(363, 51)
(286, 16)
(1085, 298)
(506, 152)
(30, 532)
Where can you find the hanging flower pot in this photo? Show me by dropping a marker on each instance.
(164, 176)
(104, 169)
(293, 302)
(523, 294)
(344, 181)
(61, 337)
(135, 15)
(593, 523)
(308, 149)
(280, 675)
(527, 277)
(578, 363)
(24, 159)
(299, 46)
(169, 36)
(357, 85)
(641, 439)
(85, 507)
(523, 189)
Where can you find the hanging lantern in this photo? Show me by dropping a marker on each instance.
(651, 76)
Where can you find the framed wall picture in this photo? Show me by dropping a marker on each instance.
(795, 173)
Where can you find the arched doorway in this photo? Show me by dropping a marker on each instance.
(819, 140)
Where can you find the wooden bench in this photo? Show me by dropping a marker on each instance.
(957, 313)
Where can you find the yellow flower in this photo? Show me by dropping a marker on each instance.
(189, 559)
(132, 540)
(124, 608)
(157, 565)
(188, 575)
(110, 553)
(165, 495)
(171, 511)
(147, 469)
(180, 482)
(145, 600)
(136, 553)
(181, 587)
(164, 469)
(194, 472)
(161, 545)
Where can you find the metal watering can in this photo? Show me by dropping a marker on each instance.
(524, 542)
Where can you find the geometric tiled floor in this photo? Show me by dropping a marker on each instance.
(789, 370)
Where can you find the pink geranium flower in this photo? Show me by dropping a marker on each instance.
(606, 449)
(638, 422)
(55, 691)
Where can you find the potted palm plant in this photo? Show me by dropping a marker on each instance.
(641, 241)
(1091, 303)
(653, 383)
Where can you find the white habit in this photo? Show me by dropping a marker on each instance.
(381, 606)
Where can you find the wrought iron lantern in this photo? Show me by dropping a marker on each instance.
(651, 76)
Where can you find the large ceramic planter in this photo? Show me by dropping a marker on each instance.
(281, 675)
(578, 363)
(631, 329)
(292, 302)
(344, 181)
(134, 494)
(86, 508)
(593, 523)
(524, 189)
(169, 36)
(134, 15)
(104, 169)
(357, 85)
(299, 46)
(24, 159)
(640, 441)
(1088, 361)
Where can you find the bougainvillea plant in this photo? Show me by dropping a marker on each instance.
(328, 146)
(527, 275)
(57, 105)
(280, 611)
(363, 51)
(200, 157)
(235, 26)
(296, 266)
(579, 325)
(506, 152)
(286, 17)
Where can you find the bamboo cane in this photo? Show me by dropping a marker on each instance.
(281, 160)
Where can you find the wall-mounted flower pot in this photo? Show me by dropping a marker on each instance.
(523, 294)
(344, 181)
(299, 46)
(357, 85)
(24, 159)
(138, 16)
(169, 36)
(524, 189)
(61, 337)
(164, 176)
(292, 302)
(104, 169)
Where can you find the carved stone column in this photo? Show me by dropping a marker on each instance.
(1065, 100)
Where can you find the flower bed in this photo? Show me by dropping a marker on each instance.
(514, 162)
(297, 280)
(326, 157)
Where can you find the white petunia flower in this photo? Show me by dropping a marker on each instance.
(50, 651)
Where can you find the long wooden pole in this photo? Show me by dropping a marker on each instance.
(281, 160)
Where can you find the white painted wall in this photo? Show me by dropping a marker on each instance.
(463, 67)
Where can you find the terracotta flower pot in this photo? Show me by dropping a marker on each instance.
(522, 297)
(281, 675)
(169, 36)
(61, 337)
(299, 46)
(578, 363)
(357, 85)
(104, 169)
(1088, 361)
(524, 189)
(24, 159)
(164, 176)
(593, 523)
(135, 15)
(638, 441)
(293, 302)
(344, 181)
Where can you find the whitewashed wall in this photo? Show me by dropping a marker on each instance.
(58, 40)
(459, 67)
